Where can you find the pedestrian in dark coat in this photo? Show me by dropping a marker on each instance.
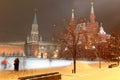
(16, 64)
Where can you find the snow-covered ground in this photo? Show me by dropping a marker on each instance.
(84, 71)
(31, 63)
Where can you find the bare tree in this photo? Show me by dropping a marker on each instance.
(115, 45)
(109, 50)
(69, 40)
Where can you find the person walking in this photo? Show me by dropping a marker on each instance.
(4, 63)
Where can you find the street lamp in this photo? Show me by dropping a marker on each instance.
(42, 51)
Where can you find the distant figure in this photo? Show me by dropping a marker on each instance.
(4, 63)
(16, 64)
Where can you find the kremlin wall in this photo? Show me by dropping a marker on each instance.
(11, 49)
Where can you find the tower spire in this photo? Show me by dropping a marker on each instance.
(34, 30)
(92, 14)
(92, 8)
(73, 16)
(35, 16)
(72, 22)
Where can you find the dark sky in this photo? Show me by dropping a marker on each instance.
(16, 16)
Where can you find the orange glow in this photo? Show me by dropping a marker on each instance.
(10, 49)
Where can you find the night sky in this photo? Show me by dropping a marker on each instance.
(16, 16)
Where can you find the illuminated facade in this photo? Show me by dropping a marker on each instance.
(12, 49)
(36, 46)
(33, 46)
(91, 32)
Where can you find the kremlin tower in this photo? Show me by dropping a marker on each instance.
(35, 45)
(34, 37)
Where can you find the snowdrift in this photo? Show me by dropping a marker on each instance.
(80, 66)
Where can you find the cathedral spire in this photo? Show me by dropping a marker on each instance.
(92, 8)
(71, 26)
(73, 16)
(72, 22)
(35, 17)
(92, 14)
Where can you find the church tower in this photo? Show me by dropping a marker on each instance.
(92, 27)
(71, 26)
(92, 14)
(72, 21)
(34, 31)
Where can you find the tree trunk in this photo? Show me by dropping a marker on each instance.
(74, 61)
(74, 65)
(99, 62)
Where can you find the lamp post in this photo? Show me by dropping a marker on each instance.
(42, 51)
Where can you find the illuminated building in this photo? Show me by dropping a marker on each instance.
(91, 32)
(33, 46)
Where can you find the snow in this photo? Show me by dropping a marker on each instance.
(33, 63)
(84, 71)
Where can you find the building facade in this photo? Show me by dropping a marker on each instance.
(33, 46)
(91, 32)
